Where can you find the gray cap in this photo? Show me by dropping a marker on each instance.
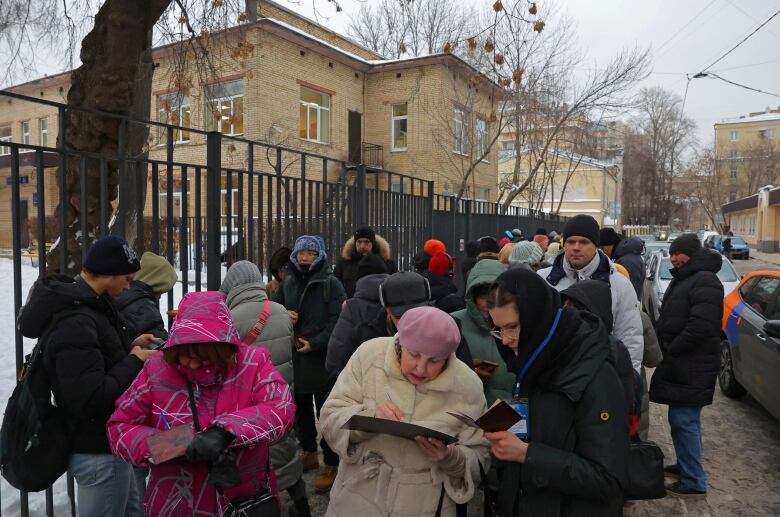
(240, 273)
(403, 291)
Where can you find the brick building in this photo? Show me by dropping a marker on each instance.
(299, 85)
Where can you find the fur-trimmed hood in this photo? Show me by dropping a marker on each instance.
(381, 248)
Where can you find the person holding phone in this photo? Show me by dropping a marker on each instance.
(413, 377)
(313, 298)
(474, 322)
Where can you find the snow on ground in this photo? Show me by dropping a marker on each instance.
(9, 496)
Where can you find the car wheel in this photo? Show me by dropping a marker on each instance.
(726, 379)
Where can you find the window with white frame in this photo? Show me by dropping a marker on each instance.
(482, 194)
(5, 136)
(770, 133)
(752, 224)
(43, 132)
(481, 132)
(225, 107)
(733, 174)
(25, 126)
(733, 154)
(733, 136)
(508, 145)
(400, 126)
(460, 130)
(234, 201)
(397, 185)
(176, 204)
(174, 109)
(314, 121)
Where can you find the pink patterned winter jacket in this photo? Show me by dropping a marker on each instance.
(252, 402)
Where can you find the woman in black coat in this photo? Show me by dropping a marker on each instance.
(573, 459)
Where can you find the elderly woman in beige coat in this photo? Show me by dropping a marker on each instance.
(413, 377)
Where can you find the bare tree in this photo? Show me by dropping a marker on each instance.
(400, 28)
(710, 188)
(667, 134)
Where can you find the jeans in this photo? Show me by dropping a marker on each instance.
(106, 487)
(306, 428)
(686, 437)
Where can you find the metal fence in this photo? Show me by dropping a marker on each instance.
(243, 201)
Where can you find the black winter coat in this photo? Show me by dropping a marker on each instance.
(359, 311)
(86, 355)
(628, 253)
(689, 330)
(444, 293)
(317, 298)
(140, 309)
(577, 457)
(346, 269)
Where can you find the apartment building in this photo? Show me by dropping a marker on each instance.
(297, 84)
(746, 152)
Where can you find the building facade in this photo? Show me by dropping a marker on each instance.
(746, 152)
(285, 80)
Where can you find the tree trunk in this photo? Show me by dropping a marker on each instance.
(115, 77)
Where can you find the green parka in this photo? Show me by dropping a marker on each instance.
(476, 331)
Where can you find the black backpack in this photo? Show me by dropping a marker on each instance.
(34, 438)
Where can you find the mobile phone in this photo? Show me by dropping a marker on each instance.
(158, 345)
(484, 363)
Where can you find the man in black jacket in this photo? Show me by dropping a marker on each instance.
(689, 330)
(626, 251)
(364, 242)
(90, 362)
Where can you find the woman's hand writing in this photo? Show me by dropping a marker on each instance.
(506, 446)
(389, 411)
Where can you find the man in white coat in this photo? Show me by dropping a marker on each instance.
(582, 260)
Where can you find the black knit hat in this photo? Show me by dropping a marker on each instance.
(279, 260)
(687, 243)
(371, 264)
(582, 226)
(540, 231)
(365, 232)
(609, 237)
(112, 256)
(472, 248)
(489, 244)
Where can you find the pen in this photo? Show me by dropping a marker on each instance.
(165, 421)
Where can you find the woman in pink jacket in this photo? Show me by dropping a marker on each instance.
(241, 402)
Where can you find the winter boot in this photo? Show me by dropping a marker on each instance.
(310, 460)
(326, 479)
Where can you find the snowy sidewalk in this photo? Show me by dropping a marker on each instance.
(771, 258)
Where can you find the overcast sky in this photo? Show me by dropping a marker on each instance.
(685, 36)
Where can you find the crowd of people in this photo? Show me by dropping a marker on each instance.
(253, 374)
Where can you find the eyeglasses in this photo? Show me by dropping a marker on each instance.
(512, 333)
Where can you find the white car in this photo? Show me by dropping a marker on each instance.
(659, 275)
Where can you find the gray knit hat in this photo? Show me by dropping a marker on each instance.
(526, 252)
(240, 273)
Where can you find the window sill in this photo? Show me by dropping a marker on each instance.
(313, 141)
(399, 150)
(460, 153)
(175, 143)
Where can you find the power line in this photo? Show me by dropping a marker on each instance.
(716, 76)
(695, 17)
(746, 66)
(747, 14)
(732, 49)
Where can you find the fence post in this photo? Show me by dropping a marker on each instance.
(429, 219)
(213, 211)
(362, 197)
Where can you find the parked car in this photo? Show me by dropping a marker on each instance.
(673, 236)
(750, 350)
(739, 248)
(659, 276)
(651, 248)
(706, 234)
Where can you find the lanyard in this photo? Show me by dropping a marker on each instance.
(521, 375)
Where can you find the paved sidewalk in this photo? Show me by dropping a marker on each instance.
(772, 258)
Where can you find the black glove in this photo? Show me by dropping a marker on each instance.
(223, 472)
(208, 445)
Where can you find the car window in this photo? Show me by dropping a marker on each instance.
(727, 273)
(665, 270)
(744, 291)
(762, 296)
(737, 240)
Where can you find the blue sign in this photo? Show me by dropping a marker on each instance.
(23, 180)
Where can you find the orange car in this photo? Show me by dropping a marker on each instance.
(750, 351)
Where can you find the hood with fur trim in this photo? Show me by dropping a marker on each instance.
(381, 248)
